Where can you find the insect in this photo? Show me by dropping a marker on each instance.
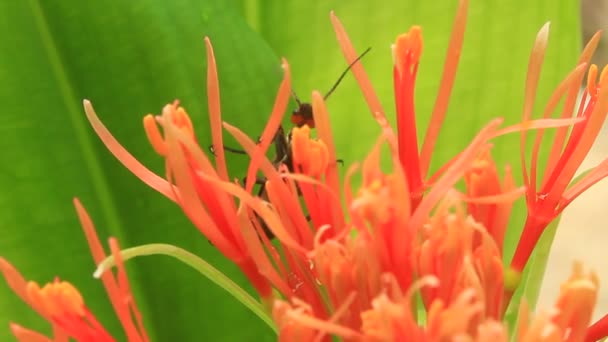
(302, 115)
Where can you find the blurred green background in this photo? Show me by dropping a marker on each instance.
(132, 57)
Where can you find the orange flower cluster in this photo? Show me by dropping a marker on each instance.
(351, 263)
(63, 307)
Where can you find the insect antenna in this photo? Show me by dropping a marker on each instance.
(343, 74)
(227, 149)
(296, 98)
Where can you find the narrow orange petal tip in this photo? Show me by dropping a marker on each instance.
(407, 50)
(209, 48)
(543, 33)
(87, 105)
(285, 65)
(154, 136)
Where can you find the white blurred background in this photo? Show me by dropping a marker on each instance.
(583, 231)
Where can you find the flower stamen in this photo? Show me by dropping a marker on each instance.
(310, 156)
(57, 298)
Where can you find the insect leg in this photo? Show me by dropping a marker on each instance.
(227, 149)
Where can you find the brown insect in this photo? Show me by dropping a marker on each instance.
(303, 115)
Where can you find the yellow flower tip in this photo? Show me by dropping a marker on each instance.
(542, 38)
(573, 308)
(310, 155)
(154, 135)
(603, 77)
(378, 322)
(390, 318)
(372, 324)
(180, 118)
(288, 316)
(177, 116)
(512, 279)
(407, 50)
(578, 274)
(374, 200)
(479, 167)
(592, 79)
(284, 64)
(58, 298)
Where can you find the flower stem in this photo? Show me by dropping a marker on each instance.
(198, 264)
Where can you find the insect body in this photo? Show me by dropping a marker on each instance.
(302, 115)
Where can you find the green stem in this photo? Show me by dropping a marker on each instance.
(198, 264)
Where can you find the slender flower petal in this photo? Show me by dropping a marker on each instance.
(26, 335)
(446, 84)
(272, 125)
(406, 55)
(482, 180)
(298, 324)
(351, 55)
(598, 330)
(215, 116)
(127, 159)
(488, 276)
(382, 209)
(390, 319)
(446, 244)
(292, 275)
(311, 158)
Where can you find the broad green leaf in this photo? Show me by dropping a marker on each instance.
(489, 84)
(129, 58)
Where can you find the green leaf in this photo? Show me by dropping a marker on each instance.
(129, 58)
